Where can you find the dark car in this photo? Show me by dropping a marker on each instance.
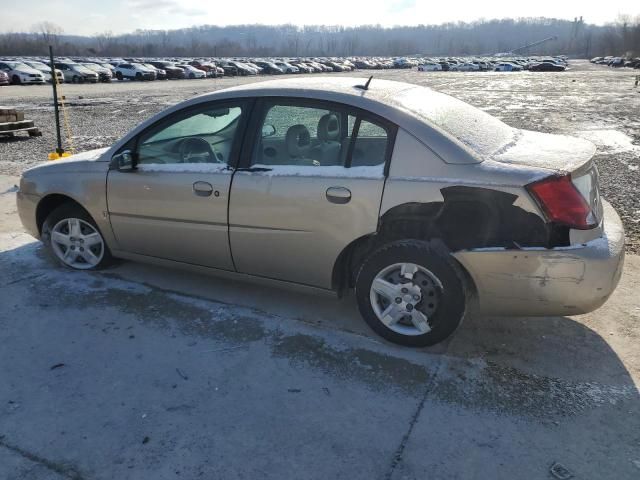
(229, 69)
(269, 67)
(171, 70)
(546, 67)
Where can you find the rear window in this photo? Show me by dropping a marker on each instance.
(471, 126)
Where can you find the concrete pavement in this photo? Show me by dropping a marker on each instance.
(140, 372)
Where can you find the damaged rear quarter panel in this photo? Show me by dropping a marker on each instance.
(488, 197)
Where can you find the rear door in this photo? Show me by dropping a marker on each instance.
(174, 204)
(311, 184)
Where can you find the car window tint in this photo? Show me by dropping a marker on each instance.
(205, 136)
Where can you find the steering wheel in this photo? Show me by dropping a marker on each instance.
(197, 150)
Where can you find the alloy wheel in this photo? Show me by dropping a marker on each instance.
(404, 297)
(77, 243)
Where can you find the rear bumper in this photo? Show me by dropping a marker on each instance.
(559, 281)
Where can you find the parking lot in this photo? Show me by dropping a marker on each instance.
(145, 373)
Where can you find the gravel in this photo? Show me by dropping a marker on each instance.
(595, 102)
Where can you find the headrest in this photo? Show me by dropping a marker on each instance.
(298, 141)
(328, 127)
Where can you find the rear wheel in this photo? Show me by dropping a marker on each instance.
(16, 80)
(119, 75)
(74, 239)
(411, 292)
(139, 76)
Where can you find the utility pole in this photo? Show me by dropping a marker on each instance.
(54, 84)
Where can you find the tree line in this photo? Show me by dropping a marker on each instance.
(483, 37)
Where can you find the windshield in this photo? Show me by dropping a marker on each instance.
(15, 65)
(471, 126)
(38, 65)
(206, 123)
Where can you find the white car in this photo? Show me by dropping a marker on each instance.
(192, 72)
(20, 73)
(134, 71)
(508, 67)
(465, 67)
(46, 70)
(430, 67)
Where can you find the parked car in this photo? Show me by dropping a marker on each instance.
(507, 67)
(287, 67)
(134, 71)
(432, 203)
(304, 68)
(104, 74)
(76, 73)
(160, 73)
(430, 67)
(4, 78)
(46, 71)
(546, 67)
(170, 69)
(20, 73)
(229, 70)
(192, 72)
(269, 67)
(465, 67)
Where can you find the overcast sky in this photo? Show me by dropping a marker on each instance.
(89, 16)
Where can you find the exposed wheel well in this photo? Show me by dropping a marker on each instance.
(468, 217)
(49, 203)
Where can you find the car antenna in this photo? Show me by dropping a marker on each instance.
(366, 85)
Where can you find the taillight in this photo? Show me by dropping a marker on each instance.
(562, 202)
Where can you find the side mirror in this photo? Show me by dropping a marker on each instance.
(268, 130)
(124, 161)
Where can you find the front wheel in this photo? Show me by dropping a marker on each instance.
(411, 292)
(74, 239)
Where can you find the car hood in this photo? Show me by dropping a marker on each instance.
(560, 153)
(26, 70)
(90, 160)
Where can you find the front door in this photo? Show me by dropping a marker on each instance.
(311, 185)
(174, 204)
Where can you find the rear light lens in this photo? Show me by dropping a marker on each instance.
(563, 203)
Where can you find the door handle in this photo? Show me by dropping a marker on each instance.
(203, 189)
(338, 195)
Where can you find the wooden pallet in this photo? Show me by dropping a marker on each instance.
(11, 128)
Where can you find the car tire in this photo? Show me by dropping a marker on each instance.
(433, 291)
(16, 80)
(192, 75)
(139, 76)
(84, 249)
(119, 76)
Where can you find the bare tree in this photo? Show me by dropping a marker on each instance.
(49, 31)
